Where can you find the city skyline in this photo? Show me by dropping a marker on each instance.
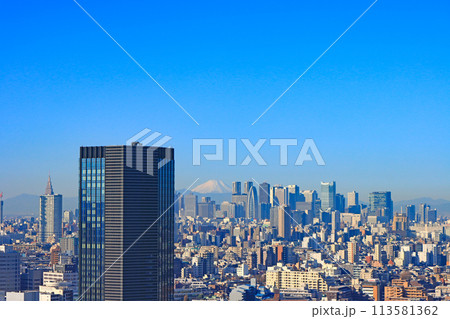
(363, 195)
(139, 240)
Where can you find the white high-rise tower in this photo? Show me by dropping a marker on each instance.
(50, 215)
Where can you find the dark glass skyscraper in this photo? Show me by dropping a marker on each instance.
(1, 208)
(126, 223)
(264, 193)
(381, 202)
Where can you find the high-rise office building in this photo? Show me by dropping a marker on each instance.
(274, 216)
(1, 208)
(190, 205)
(241, 201)
(431, 216)
(236, 188)
(352, 252)
(247, 187)
(264, 193)
(423, 212)
(50, 215)
(411, 213)
(340, 203)
(310, 196)
(293, 195)
(264, 211)
(206, 208)
(377, 252)
(68, 216)
(328, 195)
(9, 269)
(284, 222)
(400, 223)
(335, 222)
(353, 198)
(252, 204)
(228, 209)
(381, 202)
(179, 204)
(126, 223)
(278, 196)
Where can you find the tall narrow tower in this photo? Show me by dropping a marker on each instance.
(1, 208)
(50, 215)
(252, 204)
(328, 195)
(126, 233)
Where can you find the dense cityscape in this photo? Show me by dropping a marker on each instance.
(157, 155)
(132, 237)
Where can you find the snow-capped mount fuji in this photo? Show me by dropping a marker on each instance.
(212, 186)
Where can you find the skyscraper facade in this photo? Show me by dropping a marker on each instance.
(411, 213)
(50, 215)
(126, 232)
(381, 202)
(247, 186)
(353, 198)
(335, 222)
(431, 216)
(352, 252)
(423, 212)
(278, 196)
(190, 205)
(293, 195)
(236, 188)
(252, 204)
(206, 208)
(9, 269)
(1, 208)
(264, 193)
(284, 222)
(310, 196)
(340, 203)
(328, 195)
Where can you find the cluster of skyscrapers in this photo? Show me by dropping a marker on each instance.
(287, 206)
(124, 245)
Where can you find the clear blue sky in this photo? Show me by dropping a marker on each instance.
(377, 104)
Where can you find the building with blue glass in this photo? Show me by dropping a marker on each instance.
(328, 195)
(381, 204)
(126, 224)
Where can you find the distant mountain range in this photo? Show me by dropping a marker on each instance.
(27, 205)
